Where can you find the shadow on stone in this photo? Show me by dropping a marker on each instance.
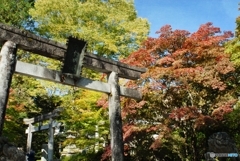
(9, 152)
(220, 145)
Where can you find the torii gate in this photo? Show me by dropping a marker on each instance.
(14, 38)
(50, 127)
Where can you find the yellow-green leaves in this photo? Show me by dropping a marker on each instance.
(110, 27)
(15, 12)
(233, 48)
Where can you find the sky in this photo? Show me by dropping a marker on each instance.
(188, 14)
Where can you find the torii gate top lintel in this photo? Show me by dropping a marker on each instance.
(55, 50)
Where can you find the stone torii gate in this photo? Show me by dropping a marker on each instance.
(73, 55)
(50, 127)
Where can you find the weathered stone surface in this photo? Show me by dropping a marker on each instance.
(7, 68)
(58, 77)
(221, 142)
(30, 42)
(115, 118)
(9, 152)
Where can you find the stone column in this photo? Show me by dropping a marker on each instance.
(7, 68)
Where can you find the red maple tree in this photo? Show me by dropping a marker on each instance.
(186, 91)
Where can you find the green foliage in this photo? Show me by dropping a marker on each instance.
(233, 125)
(9, 8)
(233, 116)
(233, 48)
(111, 28)
(84, 157)
(85, 118)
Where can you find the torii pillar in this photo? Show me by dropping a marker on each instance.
(115, 118)
(7, 68)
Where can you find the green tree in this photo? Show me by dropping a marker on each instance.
(111, 28)
(15, 12)
(86, 119)
(233, 46)
(233, 49)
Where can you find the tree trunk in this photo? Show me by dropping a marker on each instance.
(7, 68)
(115, 118)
